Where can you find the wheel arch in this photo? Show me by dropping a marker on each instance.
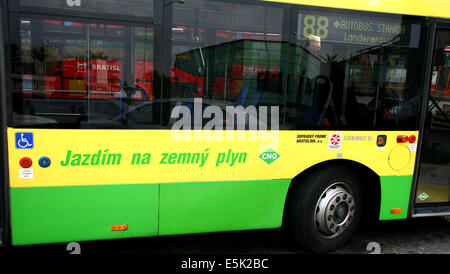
(371, 186)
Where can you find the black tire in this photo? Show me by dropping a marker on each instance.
(308, 227)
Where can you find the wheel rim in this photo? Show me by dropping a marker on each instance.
(335, 210)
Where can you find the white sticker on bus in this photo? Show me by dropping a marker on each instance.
(335, 141)
(26, 173)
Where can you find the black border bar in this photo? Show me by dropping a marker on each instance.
(4, 177)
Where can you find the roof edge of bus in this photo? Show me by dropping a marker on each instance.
(431, 8)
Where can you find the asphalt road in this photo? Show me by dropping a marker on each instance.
(414, 236)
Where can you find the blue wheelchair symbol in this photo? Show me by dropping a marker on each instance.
(24, 140)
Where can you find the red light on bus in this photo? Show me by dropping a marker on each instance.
(412, 139)
(396, 210)
(402, 139)
(25, 162)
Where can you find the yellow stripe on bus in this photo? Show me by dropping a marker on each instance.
(101, 157)
(434, 8)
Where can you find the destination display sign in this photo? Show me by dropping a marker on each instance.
(355, 29)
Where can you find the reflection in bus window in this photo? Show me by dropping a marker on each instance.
(371, 64)
(345, 70)
(75, 73)
(224, 53)
(439, 99)
(326, 69)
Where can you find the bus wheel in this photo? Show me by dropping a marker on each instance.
(326, 209)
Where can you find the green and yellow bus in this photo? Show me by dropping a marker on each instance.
(137, 118)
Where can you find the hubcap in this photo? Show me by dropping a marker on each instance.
(334, 210)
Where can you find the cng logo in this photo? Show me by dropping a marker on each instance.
(269, 156)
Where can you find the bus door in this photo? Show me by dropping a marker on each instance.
(434, 172)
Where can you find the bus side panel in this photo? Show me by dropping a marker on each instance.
(395, 194)
(221, 206)
(95, 182)
(78, 213)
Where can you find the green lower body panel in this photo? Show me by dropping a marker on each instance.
(395, 194)
(80, 213)
(221, 206)
(42, 215)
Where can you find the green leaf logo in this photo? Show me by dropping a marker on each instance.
(269, 156)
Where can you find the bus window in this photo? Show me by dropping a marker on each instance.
(351, 71)
(226, 53)
(343, 71)
(78, 74)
